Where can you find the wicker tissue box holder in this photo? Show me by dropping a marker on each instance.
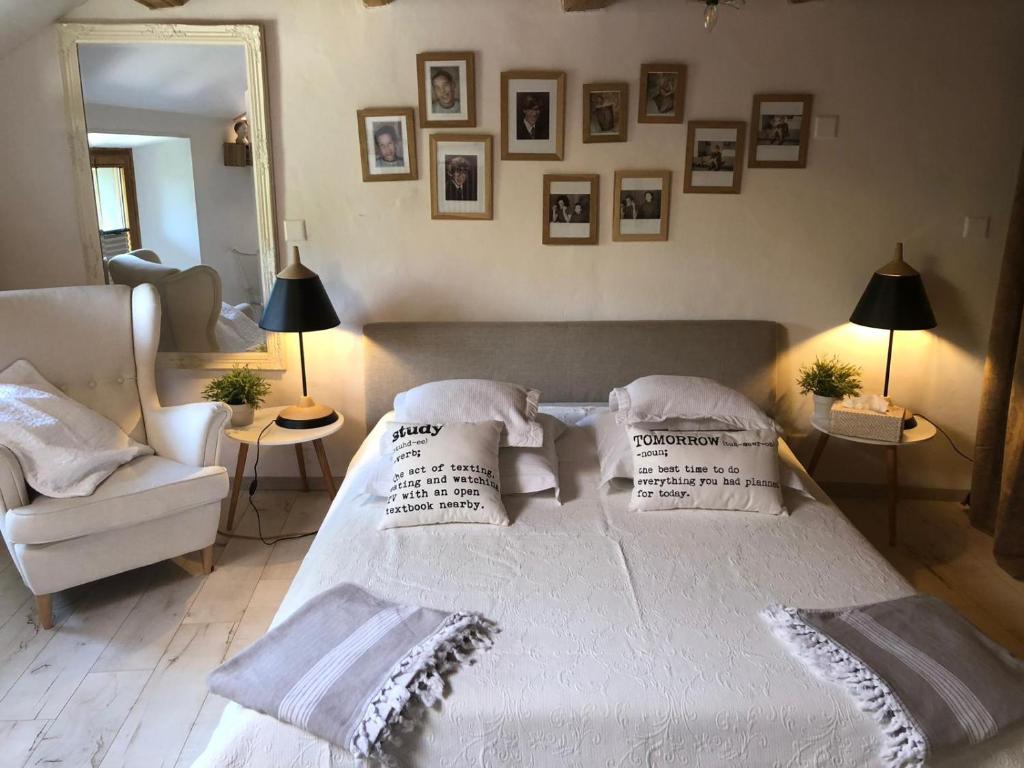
(870, 425)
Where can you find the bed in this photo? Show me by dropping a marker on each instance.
(626, 639)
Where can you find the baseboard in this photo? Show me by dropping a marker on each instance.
(290, 483)
(876, 491)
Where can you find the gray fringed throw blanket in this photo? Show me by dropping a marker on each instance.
(929, 678)
(348, 667)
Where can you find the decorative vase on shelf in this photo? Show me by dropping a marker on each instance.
(823, 409)
(241, 415)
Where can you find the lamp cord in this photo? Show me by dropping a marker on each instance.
(259, 522)
(948, 438)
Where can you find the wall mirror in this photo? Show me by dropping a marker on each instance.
(170, 139)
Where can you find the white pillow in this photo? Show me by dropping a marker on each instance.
(472, 400)
(64, 449)
(444, 473)
(706, 470)
(522, 470)
(657, 398)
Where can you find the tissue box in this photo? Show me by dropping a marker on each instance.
(870, 425)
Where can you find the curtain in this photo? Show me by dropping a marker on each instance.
(997, 486)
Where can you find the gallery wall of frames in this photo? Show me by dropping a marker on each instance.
(533, 128)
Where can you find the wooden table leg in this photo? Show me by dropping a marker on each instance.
(894, 490)
(302, 466)
(325, 468)
(236, 486)
(818, 449)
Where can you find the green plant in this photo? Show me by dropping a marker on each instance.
(829, 377)
(237, 387)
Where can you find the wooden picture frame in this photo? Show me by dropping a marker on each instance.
(774, 119)
(641, 225)
(572, 205)
(382, 169)
(446, 201)
(461, 88)
(701, 171)
(604, 103)
(545, 89)
(656, 106)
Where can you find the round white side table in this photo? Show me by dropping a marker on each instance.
(921, 433)
(275, 435)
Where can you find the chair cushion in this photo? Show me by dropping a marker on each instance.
(144, 489)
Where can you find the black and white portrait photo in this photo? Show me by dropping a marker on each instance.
(534, 110)
(447, 88)
(387, 144)
(570, 209)
(641, 205)
(779, 125)
(532, 115)
(715, 156)
(663, 90)
(460, 176)
(605, 111)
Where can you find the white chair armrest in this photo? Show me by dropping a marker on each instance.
(13, 492)
(189, 434)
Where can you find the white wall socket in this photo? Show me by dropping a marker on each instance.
(294, 230)
(826, 126)
(976, 227)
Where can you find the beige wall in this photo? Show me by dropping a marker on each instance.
(930, 99)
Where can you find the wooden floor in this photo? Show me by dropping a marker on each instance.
(121, 680)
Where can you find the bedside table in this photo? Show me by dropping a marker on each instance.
(275, 435)
(923, 432)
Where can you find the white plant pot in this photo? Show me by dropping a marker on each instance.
(241, 415)
(823, 410)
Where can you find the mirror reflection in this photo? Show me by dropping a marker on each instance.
(173, 177)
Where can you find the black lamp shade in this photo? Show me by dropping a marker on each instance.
(896, 303)
(298, 305)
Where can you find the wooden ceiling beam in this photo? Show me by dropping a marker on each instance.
(584, 5)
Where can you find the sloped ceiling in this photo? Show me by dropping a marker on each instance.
(21, 19)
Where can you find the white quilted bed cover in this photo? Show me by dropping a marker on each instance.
(627, 639)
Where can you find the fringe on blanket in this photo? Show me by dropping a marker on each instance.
(416, 682)
(904, 745)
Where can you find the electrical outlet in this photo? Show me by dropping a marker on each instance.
(826, 126)
(294, 230)
(976, 227)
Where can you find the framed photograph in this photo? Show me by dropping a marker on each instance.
(387, 143)
(571, 205)
(532, 115)
(780, 123)
(714, 156)
(447, 86)
(461, 176)
(641, 205)
(662, 93)
(605, 112)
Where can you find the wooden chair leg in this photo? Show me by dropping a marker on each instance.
(207, 555)
(44, 610)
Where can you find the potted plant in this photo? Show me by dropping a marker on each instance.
(242, 389)
(829, 379)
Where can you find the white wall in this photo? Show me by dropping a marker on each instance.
(931, 114)
(225, 201)
(167, 201)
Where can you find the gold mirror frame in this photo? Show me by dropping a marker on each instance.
(250, 38)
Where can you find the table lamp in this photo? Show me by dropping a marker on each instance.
(895, 300)
(299, 304)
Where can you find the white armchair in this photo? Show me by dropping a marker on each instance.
(99, 344)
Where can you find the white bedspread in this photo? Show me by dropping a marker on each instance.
(626, 639)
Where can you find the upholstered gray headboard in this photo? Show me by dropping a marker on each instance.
(568, 361)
